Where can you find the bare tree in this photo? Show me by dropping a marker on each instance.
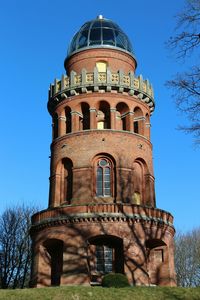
(15, 247)
(186, 85)
(187, 258)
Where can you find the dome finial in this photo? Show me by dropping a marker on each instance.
(100, 17)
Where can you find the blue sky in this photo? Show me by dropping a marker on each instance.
(34, 40)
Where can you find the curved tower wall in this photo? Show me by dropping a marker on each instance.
(102, 214)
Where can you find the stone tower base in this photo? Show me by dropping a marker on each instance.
(69, 244)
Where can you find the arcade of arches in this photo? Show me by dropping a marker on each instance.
(101, 117)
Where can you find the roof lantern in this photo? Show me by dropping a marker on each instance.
(100, 33)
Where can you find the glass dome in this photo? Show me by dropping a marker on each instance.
(100, 33)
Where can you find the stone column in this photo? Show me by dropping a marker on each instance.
(54, 197)
(93, 121)
(113, 118)
(129, 121)
(149, 190)
(147, 130)
(75, 121)
(61, 125)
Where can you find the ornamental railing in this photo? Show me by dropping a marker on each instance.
(95, 81)
(103, 210)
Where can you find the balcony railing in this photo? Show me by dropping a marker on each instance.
(94, 81)
(103, 210)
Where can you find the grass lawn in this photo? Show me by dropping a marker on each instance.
(99, 293)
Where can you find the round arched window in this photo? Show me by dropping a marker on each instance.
(103, 178)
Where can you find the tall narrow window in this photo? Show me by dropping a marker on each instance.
(103, 178)
(104, 259)
(135, 125)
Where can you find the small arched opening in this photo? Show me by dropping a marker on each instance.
(64, 182)
(157, 261)
(68, 119)
(68, 179)
(53, 251)
(138, 123)
(122, 116)
(103, 115)
(139, 171)
(84, 121)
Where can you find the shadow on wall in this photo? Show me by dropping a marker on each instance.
(99, 244)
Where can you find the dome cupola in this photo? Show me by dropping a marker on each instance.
(100, 33)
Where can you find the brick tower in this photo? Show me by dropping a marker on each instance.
(102, 215)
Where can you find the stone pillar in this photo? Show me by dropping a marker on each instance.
(147, 130)
(93, 121)
(129, 121)
(75, 121)
(61, 125)
(113, 118)
(149, 190)
(54, 197)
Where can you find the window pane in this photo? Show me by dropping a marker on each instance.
(96, 24)
(106, 177)
(95, 36)
(73, 44)
(85, 26)
(120, 40)
(107, 171)
(108, 259)
(107, 192)
(107, 181)
(100, 258)
(107, 184)
(108, 37)
(99, 174)
(83, 39)
(99, 252)
(99, 181)
(107, 24)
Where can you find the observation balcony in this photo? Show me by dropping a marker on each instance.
(76, 84)
(117, 212)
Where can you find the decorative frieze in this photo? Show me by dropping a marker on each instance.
(76, 84)
(102, 213)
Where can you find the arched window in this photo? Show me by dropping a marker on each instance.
(68, 119)
(138, 125)
(85, 119)
(68, 179)
(53, 260)
(122, 116)
(157, 255)
(103, 178)
(103, 115)
(64, 182)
